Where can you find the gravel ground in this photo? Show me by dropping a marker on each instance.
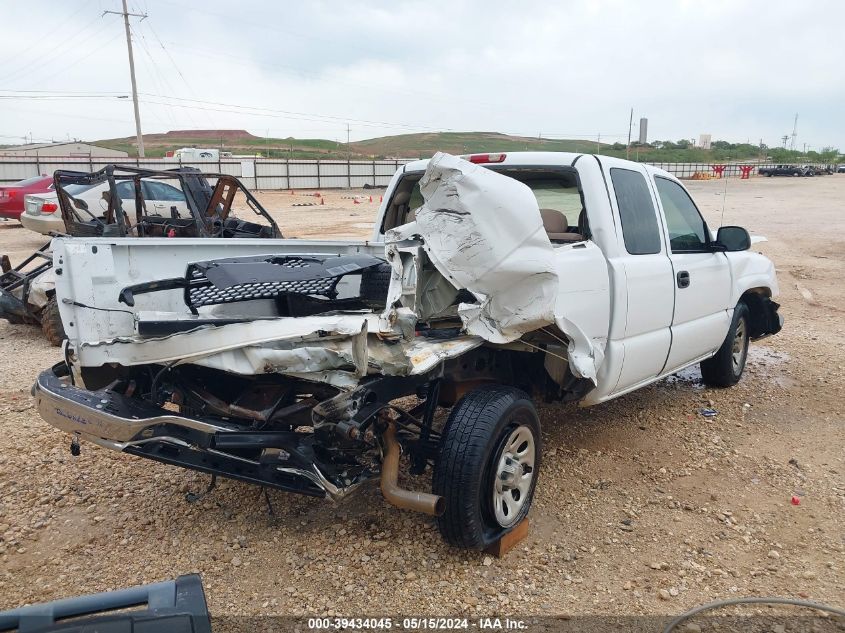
(644, 506)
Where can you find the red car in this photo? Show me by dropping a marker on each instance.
(11, 196)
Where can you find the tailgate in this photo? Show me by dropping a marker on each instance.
(91, 272)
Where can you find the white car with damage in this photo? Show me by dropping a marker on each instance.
(490, 281)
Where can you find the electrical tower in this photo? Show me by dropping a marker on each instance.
(125, 13)
(794, 132)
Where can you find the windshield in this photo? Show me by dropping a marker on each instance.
(29, 181)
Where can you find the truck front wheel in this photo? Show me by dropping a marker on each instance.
(487, 466)
(726, 367)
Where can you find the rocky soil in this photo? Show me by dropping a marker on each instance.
(644, 506)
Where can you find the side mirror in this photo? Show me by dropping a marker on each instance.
(733, 238)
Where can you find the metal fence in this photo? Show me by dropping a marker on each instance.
(688, 170)
(728, 170)
(269, 174)
(256, 173)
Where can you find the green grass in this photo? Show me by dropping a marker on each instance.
(424, 145)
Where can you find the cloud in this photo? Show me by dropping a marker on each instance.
(735, 70)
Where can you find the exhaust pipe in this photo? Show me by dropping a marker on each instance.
(423, 502)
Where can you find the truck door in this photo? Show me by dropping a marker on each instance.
(643, 332)
(702, 279)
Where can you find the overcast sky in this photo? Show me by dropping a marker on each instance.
(737, 70)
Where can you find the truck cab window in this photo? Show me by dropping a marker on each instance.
(687, 230)
(636, 211)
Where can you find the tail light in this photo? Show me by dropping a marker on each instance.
(487, 158)
(49, 207)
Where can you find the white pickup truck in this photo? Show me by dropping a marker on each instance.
(490, 280)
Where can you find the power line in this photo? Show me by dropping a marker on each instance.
(299, 116)
(158, 80)
(81, 59)
(66, 92)
(37, 42)
(49, 54)
(173, 61)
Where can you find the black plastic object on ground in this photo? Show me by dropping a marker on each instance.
(173, 606)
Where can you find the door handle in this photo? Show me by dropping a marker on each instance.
(683, 279)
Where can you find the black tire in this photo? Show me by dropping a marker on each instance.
(51, 322)
(472, 446)
(726, 367)
(375, 282)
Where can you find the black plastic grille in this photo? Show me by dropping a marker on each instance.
(204, 295)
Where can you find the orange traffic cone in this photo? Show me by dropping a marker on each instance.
(291, 192)
(381, 198)
(371, 198)
(322, 200)
(356, 201)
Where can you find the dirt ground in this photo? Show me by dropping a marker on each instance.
(644, 506)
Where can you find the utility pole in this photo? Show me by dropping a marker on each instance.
(598, 144)
(125, 13)
(348, 153)
(630, 124)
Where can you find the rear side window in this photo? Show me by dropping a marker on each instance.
(636, 210)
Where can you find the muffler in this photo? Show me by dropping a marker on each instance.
(423, 502)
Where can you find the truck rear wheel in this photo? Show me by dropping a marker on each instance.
(51, 322)
(726, 367)
(487, 466)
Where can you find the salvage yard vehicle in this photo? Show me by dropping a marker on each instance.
(785, 170)
(314, 366)
(170, 203)
(12, 196)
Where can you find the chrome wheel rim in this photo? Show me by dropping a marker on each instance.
(513, 476)
(739, 348)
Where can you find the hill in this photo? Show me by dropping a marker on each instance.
(425, 144)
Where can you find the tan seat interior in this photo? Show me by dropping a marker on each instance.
(557, 227)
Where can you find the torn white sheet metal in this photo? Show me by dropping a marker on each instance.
(483, 232)
(339, 350)
(585, 356)
(206, 341)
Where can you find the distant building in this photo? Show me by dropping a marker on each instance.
(643, 131)
(85, 150)
(188, 154)
(704, 141)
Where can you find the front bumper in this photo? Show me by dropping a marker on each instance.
(284, 460)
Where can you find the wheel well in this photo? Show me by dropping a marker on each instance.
(760, 304)
(520, 369)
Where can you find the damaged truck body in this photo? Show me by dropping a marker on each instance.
(489, 282)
